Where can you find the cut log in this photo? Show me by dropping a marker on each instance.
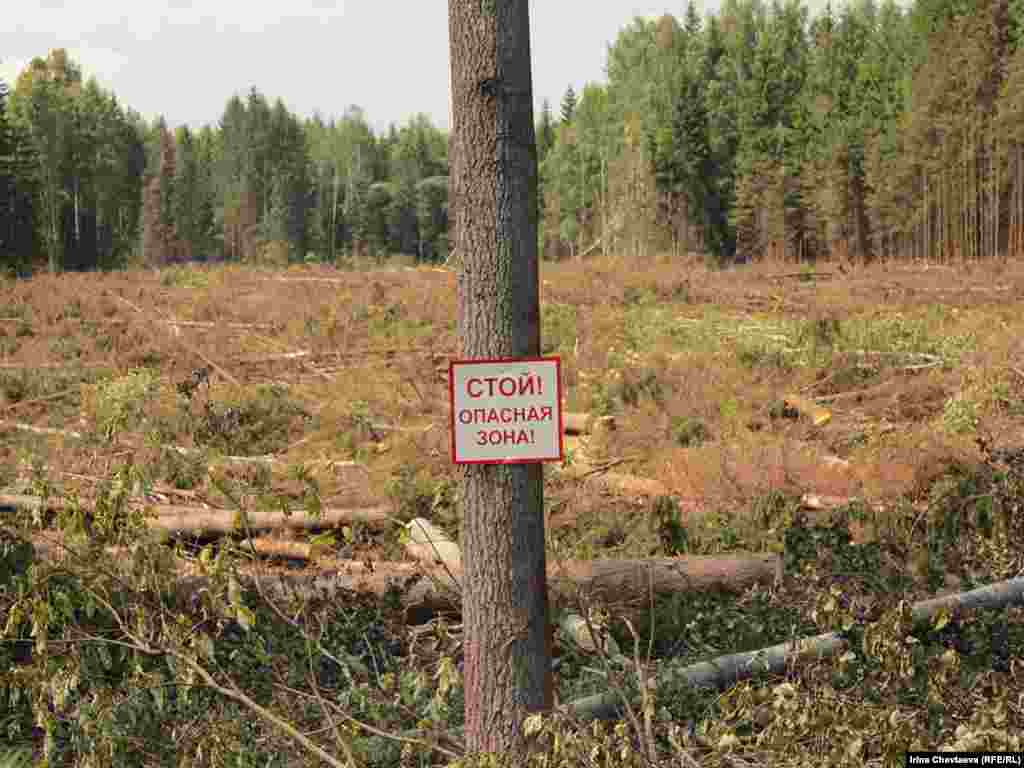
(198, 520)
(614, 579)
(726, 670)
(294, 550)
(426, 593)
(434, 591)
(431, 546)
(627, 579)
(623, 484)
(41, 430)
(583, 637)
(816, 502)
(584, 423)
(203, 520)
(819, 416)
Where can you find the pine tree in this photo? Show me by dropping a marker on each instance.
(185, 202)
(7, 184)
(160, 242)
(545, 131)
(568, 104)
(17, 240)
(692, 23)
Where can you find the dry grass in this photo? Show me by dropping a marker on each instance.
(695, 363)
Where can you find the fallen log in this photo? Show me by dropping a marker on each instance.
(431, 546)
(623, 484)
(424, 594)
(41, 430)
(821, 503)
(725, 670)
(625, 579)
(612, 579)
(199, 520)
(608, 579)
(432, 590)
(436, 588)
(585, 423)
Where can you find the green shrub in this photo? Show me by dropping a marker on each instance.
(256, 425)
(121, 402)
(688, 432)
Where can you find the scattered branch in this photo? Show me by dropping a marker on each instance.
(184, 344)
(35, 400)
(41, 430)
(727, 670)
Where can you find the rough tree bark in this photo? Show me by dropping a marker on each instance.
(494, 193)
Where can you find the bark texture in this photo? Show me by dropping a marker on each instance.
(494, 190)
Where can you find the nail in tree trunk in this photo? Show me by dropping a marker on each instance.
(493, 189)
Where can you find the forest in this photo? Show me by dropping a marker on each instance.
(867, 132)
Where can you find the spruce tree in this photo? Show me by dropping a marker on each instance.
(7, 186)
(568, 105)
(545, 131)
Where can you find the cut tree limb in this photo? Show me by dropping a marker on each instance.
(184, 344)
(35, 400)
(726, 670)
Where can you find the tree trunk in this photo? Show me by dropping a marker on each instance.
(507, 637)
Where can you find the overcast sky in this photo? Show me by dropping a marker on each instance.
(184, 59)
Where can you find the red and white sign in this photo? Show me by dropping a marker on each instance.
(506, 411)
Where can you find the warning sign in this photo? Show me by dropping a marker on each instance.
(505, 411)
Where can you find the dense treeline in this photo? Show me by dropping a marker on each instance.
(870, 132)
(71, 162)
(91, 184)
(867, 132)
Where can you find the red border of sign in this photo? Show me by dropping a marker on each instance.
(451, 406)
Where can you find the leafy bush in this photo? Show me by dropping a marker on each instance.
(121, 402)
(960, 415)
